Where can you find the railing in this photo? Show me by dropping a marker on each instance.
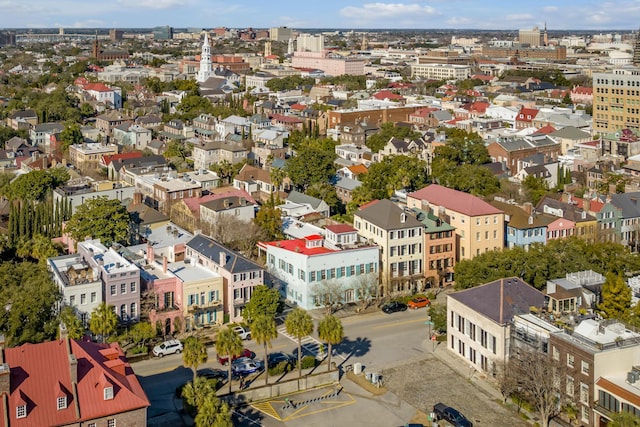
(199, 307)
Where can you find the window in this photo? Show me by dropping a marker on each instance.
(108, 393)
(62, 402)
(72, 300)
(93, 297)
(91, 425)
(133, 309)
(133, 286)
(570, 360)
(111, 422)
(584, 393)
(21, 411)
(569, 386)
(123, 288)
(585, 414)
(585, 367)
(113, 289)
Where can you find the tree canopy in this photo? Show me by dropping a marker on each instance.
(312, 164)
(100, 218)
(377, 141)
(29, 298)
(36, 184)
(616, 298)
(264, 301)
(544, 262)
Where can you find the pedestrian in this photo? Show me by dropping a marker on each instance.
(241, 383)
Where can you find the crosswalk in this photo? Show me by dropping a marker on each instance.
(309, 344)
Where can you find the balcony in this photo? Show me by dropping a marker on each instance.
(240, 302)
(201, 307)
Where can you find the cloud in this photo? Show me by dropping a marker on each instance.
(519, 17)
(89, 23)
(374, 11)
(152, 4)
(550, 9)
(458, 21)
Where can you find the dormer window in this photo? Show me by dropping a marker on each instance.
(21, 411)
(62, 402)
(108, 393)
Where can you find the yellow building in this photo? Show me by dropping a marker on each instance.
(616, 100)
(479, 226)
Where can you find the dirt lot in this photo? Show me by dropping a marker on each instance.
(425, 383)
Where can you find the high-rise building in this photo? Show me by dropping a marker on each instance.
(531, 37)
(205, 70)
(616, 100)
(115, 35)
(280, 34)
(636, 50)
(163, 33)
(310, 43)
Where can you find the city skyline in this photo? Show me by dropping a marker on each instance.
(351, 14)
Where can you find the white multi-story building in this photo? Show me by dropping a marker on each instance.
(311, 265)
(440, 71)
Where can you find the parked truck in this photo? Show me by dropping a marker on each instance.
(450, 415)
(245, 334)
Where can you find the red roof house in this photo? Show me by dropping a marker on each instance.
(525, 117)
(68, 382)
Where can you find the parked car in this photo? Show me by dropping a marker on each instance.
(245, 334)
(418, 302)
(167, 347)
(211, 373)
(451, 415)
(223, 360)
(393, 306)
(245, 366)
(274, 359)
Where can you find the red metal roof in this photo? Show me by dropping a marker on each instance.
(340, 228)
(41, 371)
(545, 130)
(300, 246)
(97, 87)
(387, 94)
(454, 200)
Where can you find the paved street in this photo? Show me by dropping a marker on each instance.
(394, 346)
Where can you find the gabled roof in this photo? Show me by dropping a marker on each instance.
(502, 299)
(519, 219)
(387, 215)
(628, 203)
(570, 132)
(570, 211)
(42, 372)
(545, 130)
(527, 114)
(454, 200)
(107, 159)
(387, 94)
(340, 228)
(297, 197)
(252, 173)
(209, 248)
(97, 87)
(358, 169)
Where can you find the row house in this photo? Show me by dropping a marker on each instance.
(585, 225)
(624, 143)
(479, 226)
(69, 382)
(324, 270)
(23, 119)
(204, 126)
(619, 219)
(109, 120)
(218, 151)
(424, 118)
(240, 275)
(400, 238)
(86, 157)
(239, 207)
(511, 151)
(40, 134)
(132, 136)
(356, 154)
(255, 181)
(120, 278)
(525, 117)
(522, 228)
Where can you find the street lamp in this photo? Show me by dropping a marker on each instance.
(429, 323)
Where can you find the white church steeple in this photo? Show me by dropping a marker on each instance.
(205, 61)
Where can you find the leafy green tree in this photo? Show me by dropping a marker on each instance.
(616, 298)
(87, 110)
(299, 325)
(103, 320)
(289, 83)
(228, 343)
(269, 219)
(224, 170)
(194, 355)
(326, 192)
(71, 322)
(35, 185)
(71, 135)
(330, 330)
(438, 314)
(29, 298)
(100, 218)
(38, 247)
(192, 106)
(535, 187)
(624, 419)
(376, 142)
(142, 332)
(264, 330)
(264, 301)
(311, 165)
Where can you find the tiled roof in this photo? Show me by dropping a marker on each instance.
(454, 200)
(387, 215)
(501, 300)
(545, 130)
(387, 94)
(40, 373)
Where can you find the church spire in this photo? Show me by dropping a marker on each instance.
(205, 60)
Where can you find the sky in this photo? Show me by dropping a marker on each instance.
(343, 14)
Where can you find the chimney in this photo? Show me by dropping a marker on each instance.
(5, 379)
(223, 258)
(164, 264)
(586, 205)
(73, 368)
(150, 253)
(64, 333)
(527, 207)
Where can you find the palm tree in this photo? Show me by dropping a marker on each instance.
(103, 320)
(194, 354)
(264, 330)
(229, 343)
(299, 325)
(330, 330)
(197, 392)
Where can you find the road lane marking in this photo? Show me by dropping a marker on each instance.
(406, 322)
